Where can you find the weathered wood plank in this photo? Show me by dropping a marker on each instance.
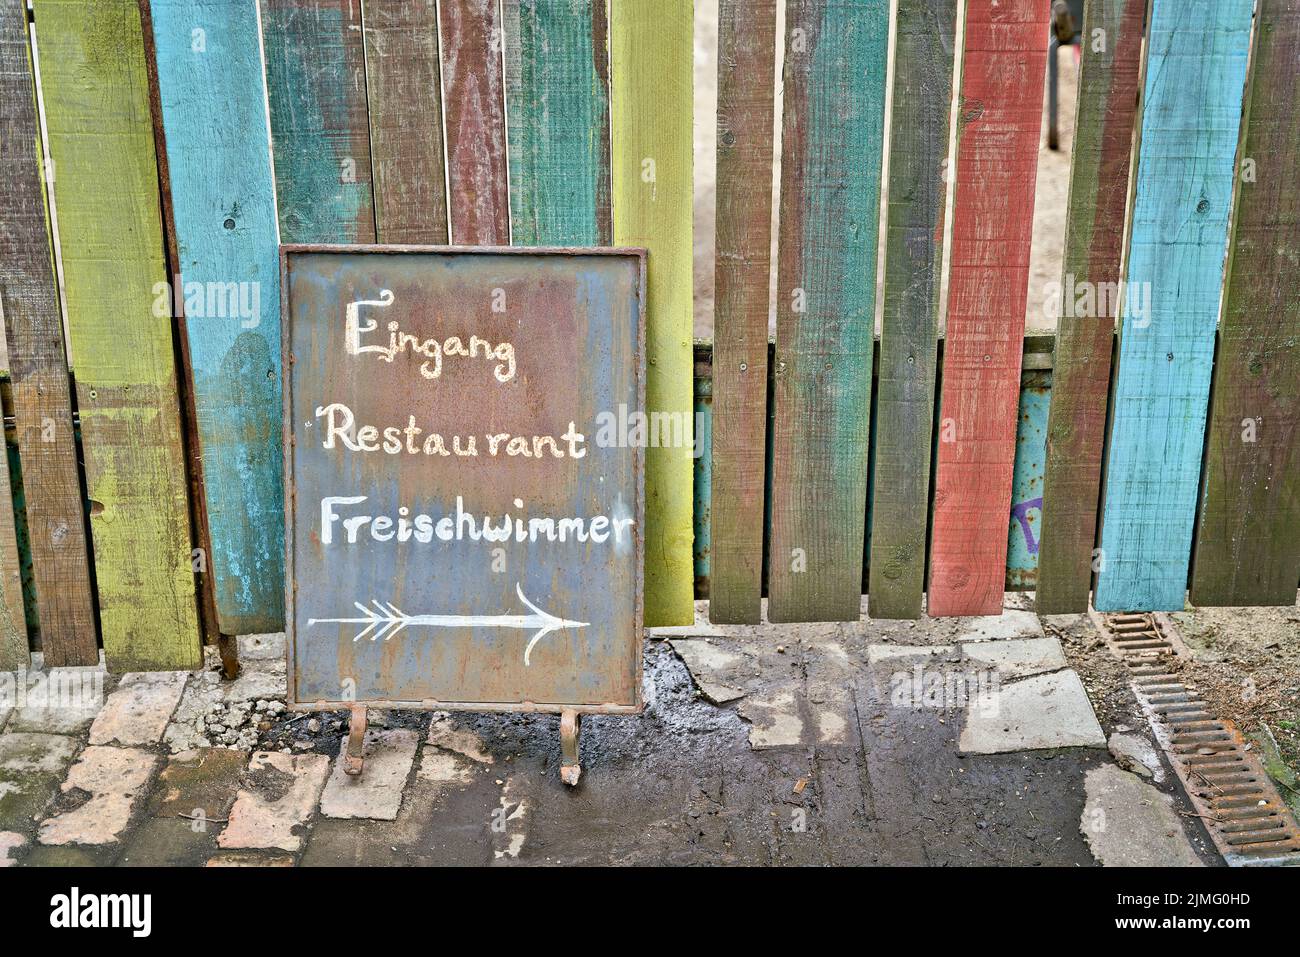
(41, 389)
(921, 112)
(1192, 102)
(557, 96)
(997, 165)
(316, 87)
(474, 104)
(1094, 240)
(746, 83)
(210, 92)
(1248, 546)
(835, 65)
(96, 95)
(404, 90)
(651, 168)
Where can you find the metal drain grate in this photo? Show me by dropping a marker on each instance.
(1226, 783)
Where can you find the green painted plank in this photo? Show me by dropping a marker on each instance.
(320, 131)
(1191, 118)
(1109, 74)
(100, 128)
(211, 100)
(835, 65)
(1248, 547)
(746, 82)
(42, 399)
(404, 91)
(557, 98)
(651, 170)
(921, 111)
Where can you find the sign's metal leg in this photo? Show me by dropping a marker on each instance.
(570, 728)
(354, 759)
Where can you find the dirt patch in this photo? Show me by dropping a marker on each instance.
(1246, 663)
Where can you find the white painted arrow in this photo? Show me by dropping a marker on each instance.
(386, 621)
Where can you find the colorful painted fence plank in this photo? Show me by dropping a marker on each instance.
(746, 84)
(474, 102)
(997, 163)
(404, 93)
(651, 176)
(1248, 546)
(222, 202)
(1111, 47)
(557, 96)
(919, 126)
(1192, 104)
(833, 127)
(316, 89)
(42, 396)
(96, 96)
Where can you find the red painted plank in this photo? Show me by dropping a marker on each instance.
(999, 121)
(474, 101)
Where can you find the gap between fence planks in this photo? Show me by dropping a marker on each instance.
(1248, 547)
(96, 96)
(999, 122)
(1192, 102)
(1109, 73)
(746, 83)
(220, 199)
(41, 390)
(651, 62)
(14, 653)
(316, 87)
(557, 95)
(921, 113)
(832, 132)
(474, 103)
(404, 92)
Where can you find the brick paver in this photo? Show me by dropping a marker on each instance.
(377, 793)
(138, 711)
(113, 778)
(278, 797)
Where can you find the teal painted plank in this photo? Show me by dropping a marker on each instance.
(557, 98)
(214, 120)
(1192, 104)
(836, 52)
(316, 90)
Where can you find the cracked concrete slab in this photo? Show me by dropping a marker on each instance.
(1042, 711)
(1135, 753)
(1017, 657)
(1012, 623)
(1128, 823)
(704, 658)
(876, 654)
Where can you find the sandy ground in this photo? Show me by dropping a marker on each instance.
(1049, 208)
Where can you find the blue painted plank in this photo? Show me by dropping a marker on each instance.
(214, 118)
(1195, 78)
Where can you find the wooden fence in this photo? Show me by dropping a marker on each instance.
(155, 152)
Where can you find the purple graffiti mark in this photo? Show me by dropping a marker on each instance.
(1020, 513)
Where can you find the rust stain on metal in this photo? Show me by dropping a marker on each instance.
(463, 529)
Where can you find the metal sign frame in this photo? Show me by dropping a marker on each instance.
(287, 252)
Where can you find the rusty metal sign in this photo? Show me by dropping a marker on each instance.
(458, 534)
